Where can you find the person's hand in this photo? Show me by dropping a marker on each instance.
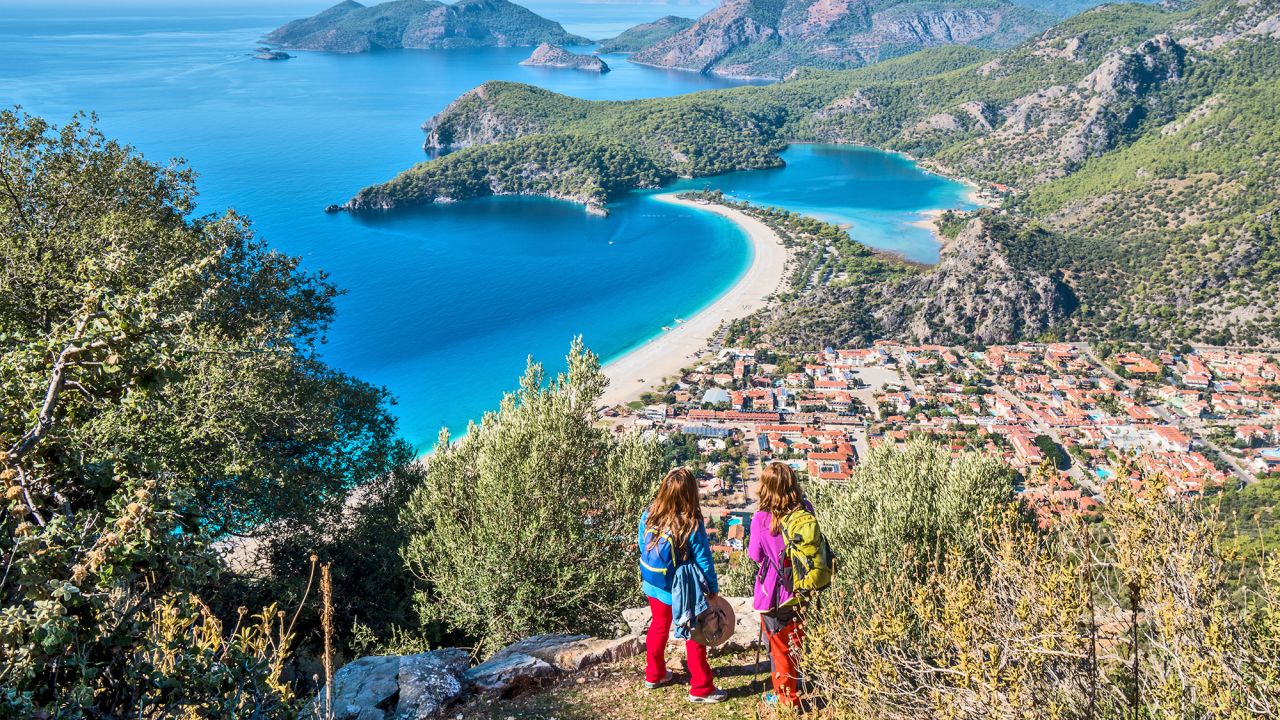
(713, 595)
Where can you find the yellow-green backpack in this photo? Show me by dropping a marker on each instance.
(812, 562)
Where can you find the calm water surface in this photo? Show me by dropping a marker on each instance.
(444, 304)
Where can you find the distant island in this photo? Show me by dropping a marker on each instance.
(350, 27)
(639, 37)
(548, 55)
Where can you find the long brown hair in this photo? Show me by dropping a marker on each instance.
(676, 510)
(780, 493)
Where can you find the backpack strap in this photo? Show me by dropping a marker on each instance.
(777, 571)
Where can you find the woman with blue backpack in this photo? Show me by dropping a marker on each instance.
(676, 568)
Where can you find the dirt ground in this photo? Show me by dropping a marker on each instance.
(617, 692)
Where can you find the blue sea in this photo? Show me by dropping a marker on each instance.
(443, 305)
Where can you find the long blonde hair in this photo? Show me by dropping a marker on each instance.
(780, 493)
(676, 510)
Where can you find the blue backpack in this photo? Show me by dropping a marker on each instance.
(657, 560)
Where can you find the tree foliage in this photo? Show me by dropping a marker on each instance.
(908, 504)
(1139, 617)
(158, 387)
(527, 524)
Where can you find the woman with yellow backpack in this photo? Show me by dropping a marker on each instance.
(794, 559)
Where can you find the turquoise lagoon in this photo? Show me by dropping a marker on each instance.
(445, 303)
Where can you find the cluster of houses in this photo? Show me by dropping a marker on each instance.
(1066, 420)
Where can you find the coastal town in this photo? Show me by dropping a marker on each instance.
(1068, 417)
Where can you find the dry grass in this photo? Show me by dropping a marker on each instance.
(617, 692)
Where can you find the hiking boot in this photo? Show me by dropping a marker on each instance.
(655, 685)
(716, 696)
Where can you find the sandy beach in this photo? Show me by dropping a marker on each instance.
(664, 355)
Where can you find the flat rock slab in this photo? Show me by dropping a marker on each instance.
(510, 673)
(746, 629)
(429, 682)
(364, 689)
(399, 687)
(573, 653)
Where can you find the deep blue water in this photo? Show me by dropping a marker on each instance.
(443, 305)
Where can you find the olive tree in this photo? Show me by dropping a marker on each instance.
(906, 505)
(528, 523)
(159, 387)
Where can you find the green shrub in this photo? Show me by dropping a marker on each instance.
(906, 506)
(1137, 618)
(159, 387)
(528, 523)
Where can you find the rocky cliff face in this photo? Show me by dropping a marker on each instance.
(976, 293)
(982, 290)
(732, 25)
(767, 39)
(547, 55)
(1088, 104)
(350, 27)
(497, 111)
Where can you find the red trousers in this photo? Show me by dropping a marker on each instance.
(701, 683)
(784, 646)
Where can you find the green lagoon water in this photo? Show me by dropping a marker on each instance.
(444, 304)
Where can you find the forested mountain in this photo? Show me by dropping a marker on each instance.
(768, 38)
(643, 35)
(350, 27)
(1142, 142)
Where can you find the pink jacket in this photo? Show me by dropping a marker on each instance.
(768, 551)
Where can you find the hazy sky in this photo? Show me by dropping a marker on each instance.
(305, 4)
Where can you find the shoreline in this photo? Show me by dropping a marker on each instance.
(664, 355)
(929, 221)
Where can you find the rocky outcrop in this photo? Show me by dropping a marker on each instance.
(643, 35)
(977, 293)
(547, 55)
(767, 39)
(730, 26)
(535, 660)
(266, 53)
(391, 686)
(493, 112)
(510, 673)
(350, 27)
(416, 687)
(1053, 129)
(857, 103)
(1243, 19)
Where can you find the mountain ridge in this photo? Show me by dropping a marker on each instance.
(350, 27)
(638, 37)
(768, 38)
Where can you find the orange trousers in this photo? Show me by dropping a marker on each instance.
(784, 646)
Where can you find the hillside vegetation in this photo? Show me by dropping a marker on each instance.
(1140, 141)
(643, 35)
